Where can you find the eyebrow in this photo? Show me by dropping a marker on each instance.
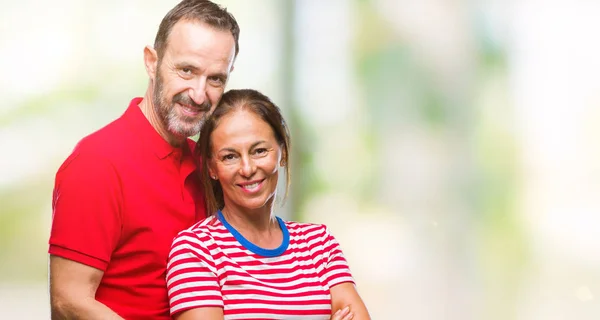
(185, 64)
(189, 65)
(251, 147)
(257, 143)
(219, 75)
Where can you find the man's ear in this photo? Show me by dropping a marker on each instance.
(150, 62)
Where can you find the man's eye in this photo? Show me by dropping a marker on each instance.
(186, 70)
(216, 80)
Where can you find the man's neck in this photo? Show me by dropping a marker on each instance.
(149, 112)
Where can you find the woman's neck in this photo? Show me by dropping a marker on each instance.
(258, 226)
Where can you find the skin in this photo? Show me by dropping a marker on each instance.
(245, 150)
(344, 295)
(186, 85)
(73, 289)
(189, 81)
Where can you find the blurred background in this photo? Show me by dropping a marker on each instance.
(453, 147)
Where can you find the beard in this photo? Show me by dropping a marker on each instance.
(178, 124)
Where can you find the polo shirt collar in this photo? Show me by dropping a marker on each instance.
(148, 135)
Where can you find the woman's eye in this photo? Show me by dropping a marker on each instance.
(228, 157)
(261, 152)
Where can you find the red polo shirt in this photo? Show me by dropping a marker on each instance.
(119, 199)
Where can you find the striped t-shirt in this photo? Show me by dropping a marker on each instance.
(212, 265)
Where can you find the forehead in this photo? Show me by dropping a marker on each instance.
(239, 128)
(197, 41)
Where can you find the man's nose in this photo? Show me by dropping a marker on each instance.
(198, 91)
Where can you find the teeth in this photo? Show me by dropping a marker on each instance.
(189, 109)
(251, 186)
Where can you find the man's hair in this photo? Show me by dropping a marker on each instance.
(203, 11)
(233, 101)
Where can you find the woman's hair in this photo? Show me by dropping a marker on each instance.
(232, 101)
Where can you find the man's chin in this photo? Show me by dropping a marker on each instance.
(184, 132)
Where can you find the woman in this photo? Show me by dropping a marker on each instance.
(243, 261)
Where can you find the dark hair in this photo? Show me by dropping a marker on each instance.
(236, 100)
(196, 10)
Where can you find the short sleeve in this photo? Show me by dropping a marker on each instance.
(337, 270)
(86, 221)
(192, 279)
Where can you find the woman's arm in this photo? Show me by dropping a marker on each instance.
(193, 288)
(345, 295)
(341, 284)
(208, 313)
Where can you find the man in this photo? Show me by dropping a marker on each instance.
(129, 188)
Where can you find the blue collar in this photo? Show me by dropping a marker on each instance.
(254, 248)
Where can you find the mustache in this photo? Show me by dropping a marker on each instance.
(184, 99)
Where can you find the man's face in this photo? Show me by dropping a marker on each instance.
(191, 76)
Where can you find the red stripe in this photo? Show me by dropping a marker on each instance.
(249, 311)
(306, 267)
(280, 302)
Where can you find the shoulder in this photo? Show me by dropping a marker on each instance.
(104, 147)
(107, 141)
(311, 232)
(207, 225)
(205, 231)
(203, 239)
(305, 228)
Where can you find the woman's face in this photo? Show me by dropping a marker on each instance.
(245, 159)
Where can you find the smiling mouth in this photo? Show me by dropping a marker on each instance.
(190, 111)
(252, 187)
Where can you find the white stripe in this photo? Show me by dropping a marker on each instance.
(191, 284)
(269, 280)
(242, 296)
(279, 307)
(189, 275)
(254, 316)
(248, 265)
(184, 305)
(249, 286)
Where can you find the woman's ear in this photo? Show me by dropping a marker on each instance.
(212, 173)
(283, 162)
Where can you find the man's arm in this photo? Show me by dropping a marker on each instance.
(85, 230)
(73, 289)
